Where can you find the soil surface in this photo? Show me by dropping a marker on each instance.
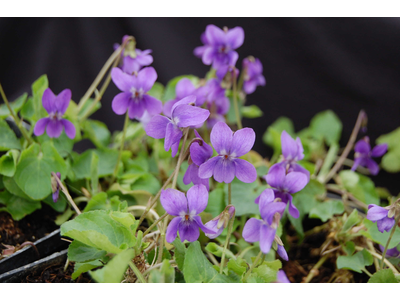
(31, 228)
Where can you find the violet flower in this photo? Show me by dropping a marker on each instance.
(183, 114)
(264, 230)
(292, 152)
(55, 186)
(199, 153)
(133, 97)
(286, 184)
(221, 221)
(253, 77)
(363, 155)
(281, 277)
(183, 89)
(393, 252)
(230, 146)
(380, 216)
(220, 45)
(56, 106)
(186, 211)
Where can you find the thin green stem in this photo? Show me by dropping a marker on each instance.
(390, 238)
(137, 272)
(229, 193)
(180, 158)
(154, 224)
(253, 265)
(235, 104)
(121, 148)
(374, 254)
(314, 270)
(15, 117)
(66, 193)
(228, 237)
(163, 229)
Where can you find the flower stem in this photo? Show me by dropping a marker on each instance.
(390, 238)
(66, 193)
(180, 158)
(236, 106)
(253, 265)
(154, 224)
(314, 270)
(121, 148)
(15, 117)
(229, 193)
(230, 226)
(348, 147)
(395, 271)
(137, 272)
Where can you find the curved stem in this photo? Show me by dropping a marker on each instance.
(156, 266)
(253, 265)
(154, 224)
(180, 158)
(389, 239)
(393, 268)
(121, 148)
(314, 270)
(66, 193)
(137, 272)
(230, 226)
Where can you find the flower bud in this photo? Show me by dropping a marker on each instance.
(221, 221)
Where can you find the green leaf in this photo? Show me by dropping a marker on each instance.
(360, 186)
(169, 93)
(266, 272)
(34, 169)
(8, 163)
(115, 269)
(356, 262)
(349, 247)
(8, 139)
(13, 188)
(97, 132)
(351, 220)
(197, 268)
(16, 206)
(165, 275)
(87, 266)
(101, 201)
(63, 144)
(272, 136)
(391, 160)
(38, 87)
(94, 173)
(179, 253)
(239, 266)
(80, 252)
(383, 276)
(326, 209)
(326, 125)
(27, 112)
(243, 196)
(216, 202)
(251, 112)
(380, 237)
(16, 106)
(217, 250)
(61, 219)
(98, 229)
(58, 206)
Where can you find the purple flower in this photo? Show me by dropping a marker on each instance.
(253, 77)
(230, 146)
(264, 230)
(220, 45)
(183, 89)
(55, 186)
(223, 70)
(393, 252)
(363, 155)
(220, 222)
(281, 277)
(286, 184)
(133, 97)
(292, 151)
(199, 153)
(56, 106)
(380, 216)
(183, 114)
(186, 211)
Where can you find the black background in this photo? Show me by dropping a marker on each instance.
(310, 64)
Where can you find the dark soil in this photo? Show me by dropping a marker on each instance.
(56, 274)
(31, 228)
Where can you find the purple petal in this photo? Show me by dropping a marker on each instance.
(187, 115)
(357, 162)
(276, 176)
(136, 109)
(267, 196)
(173, 135)
(69, 128)
(214, 35)
(174, 149)
(251, 230)
(235, 37)
(121, 102)
(199, 51)
(157, 127)
(205, 229)
(122, 80)
(146, 78)
(144, 59)
(130, 65)
(168, 107)
(206, 170)
(281, 277)
(224, 170)
(173, 201)
(376, 213)
(172, 229)
(268, 210)
(184, 88)
(362, 147)
(300, 149)
(298, 168)
(379, 150)
(245, 171)
(48, 101)
(293, 211)
(386, 224)
(199, 154)
(232, 58)
(197, 198)
(152, 105)
(282, 253)
(62, 101)
(212, 225)
(242, 142)
(267, 236)
(289, 146)
(188, 231)
(55, 195)
(184, 101)
(372, 166)
(249, 86)
(295, 181)
(187, 177)
(221, 138)
(54, 128)
(208, 55)
(40, 126)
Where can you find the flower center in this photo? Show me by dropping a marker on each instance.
(223, 49)
(55, 116)
(138, 94)
(186, 217)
